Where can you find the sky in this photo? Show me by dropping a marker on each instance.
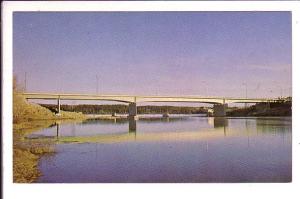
(223, 54)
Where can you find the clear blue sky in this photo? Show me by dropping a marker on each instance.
(165, 53)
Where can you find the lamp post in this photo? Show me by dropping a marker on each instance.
(271, 91)
(204, 87)
(97, 84)
(280, 88)
(25, 82)
(246, 89)
(290, 91)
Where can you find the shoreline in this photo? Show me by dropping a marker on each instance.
(142, 116)
(27, 153)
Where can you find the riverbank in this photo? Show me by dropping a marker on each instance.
(271, 110)
(28, 118)
(110, 109)
(27, 153)
(105, 117)
(23, 111)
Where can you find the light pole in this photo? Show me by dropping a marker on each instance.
(246, 88)
(25, 82)
(204, 87)
(280, 88)
(97, 84)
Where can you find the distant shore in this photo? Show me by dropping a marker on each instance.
(120, 111)
(274, 110)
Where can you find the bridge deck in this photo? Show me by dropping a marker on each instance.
(136, 99)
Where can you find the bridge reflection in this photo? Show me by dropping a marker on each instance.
(218, 123)
(132, 126)
(221, 127)
(160, 129)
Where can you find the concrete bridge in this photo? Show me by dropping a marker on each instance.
(219, 104)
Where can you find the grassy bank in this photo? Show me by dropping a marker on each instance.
(274, 110)
(23, 111)
(28, 118)
(26, 153)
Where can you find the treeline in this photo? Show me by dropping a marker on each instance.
(123, 109)
(275, 109)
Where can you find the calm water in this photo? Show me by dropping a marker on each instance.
(176, 149)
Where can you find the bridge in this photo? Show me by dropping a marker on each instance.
(219, 104)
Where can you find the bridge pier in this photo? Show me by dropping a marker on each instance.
(132, 111)
(219, 110)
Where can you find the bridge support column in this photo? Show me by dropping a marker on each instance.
(262, 107)
(220, 110)
(58, 106)
(132, 111)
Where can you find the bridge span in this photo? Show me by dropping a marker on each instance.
(219, 104)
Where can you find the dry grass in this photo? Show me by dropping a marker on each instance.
(24, 111)
(26, 153)
(27, 118)
(25, 166)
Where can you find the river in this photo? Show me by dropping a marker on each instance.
(182, 148)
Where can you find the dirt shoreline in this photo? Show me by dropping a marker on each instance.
(27, 118)
(27, 152)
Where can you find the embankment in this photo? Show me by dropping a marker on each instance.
(274, 110)
(27, 118)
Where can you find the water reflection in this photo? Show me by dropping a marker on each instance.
(190, 149)
(151, 129)
(132, 125)
(105, 121)
(57, 130)
(274, 125)
(250, 126)
(131, 129)
(220, 122)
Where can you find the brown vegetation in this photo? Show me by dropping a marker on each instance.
(275, 109)
(26, 153)
(123, 109)
(27, 118)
